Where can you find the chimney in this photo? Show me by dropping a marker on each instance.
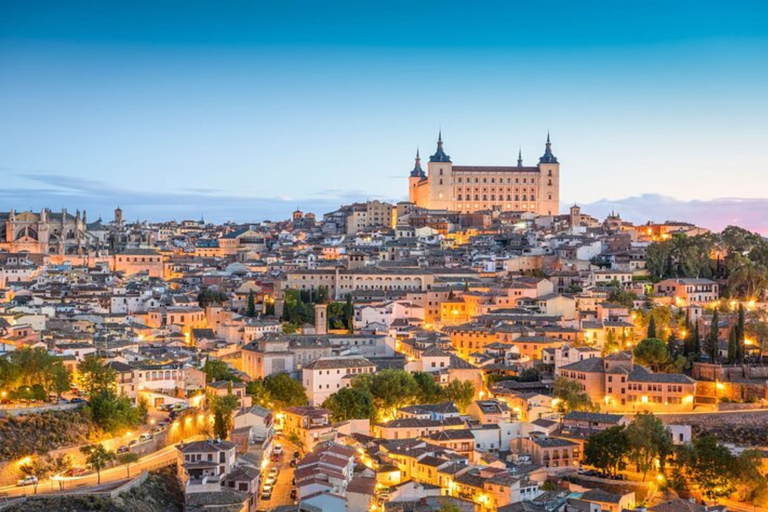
(321, 319)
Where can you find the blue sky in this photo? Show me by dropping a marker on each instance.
(244, 110)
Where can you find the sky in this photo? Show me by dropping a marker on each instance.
(246, 110)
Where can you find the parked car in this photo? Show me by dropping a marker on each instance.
(145, 437)
(294, 494)
(294, 462)
(29, 480)
(278, 449)
(296, 455)
(78, 400)
(123, 449)
(266, 494)
(273, 471)
(133, 442)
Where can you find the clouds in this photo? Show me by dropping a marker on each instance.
(56, 191)
(714, 214)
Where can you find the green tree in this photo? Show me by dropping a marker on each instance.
(625, 298)
(608, 449)
(127, 459)
(285, 391)
(740, 333)
(349, 313)
(713, 336)
(430, 391)
(211, 297)
(97, 458)
(350, 403)
(653, 353)
(258, 392)
(216, 370)
(222, 408)
(732, 346)
(460, 392)
(391, 389)
(648, 440)
(94, 376)
(710, 465)
(571, 397)
(35, 467)
(251, 304)
(652, 327)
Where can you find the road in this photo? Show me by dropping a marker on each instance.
(165, 456)
(281, 494)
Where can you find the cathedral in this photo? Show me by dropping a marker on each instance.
(470, 188)
(60, 233)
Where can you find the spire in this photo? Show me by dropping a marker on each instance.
(548, 157)
(417, 172)
(520, 157)
(440, 155)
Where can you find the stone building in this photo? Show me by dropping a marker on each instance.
(472, 188)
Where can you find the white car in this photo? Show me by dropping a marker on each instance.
(30, 480)
(278, 449)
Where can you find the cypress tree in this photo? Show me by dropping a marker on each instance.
(251, 304)
(712, 338)
(732, 350)
(696, 341)
(740, 335)
(651, 327)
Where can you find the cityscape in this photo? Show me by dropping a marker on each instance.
(459, 332)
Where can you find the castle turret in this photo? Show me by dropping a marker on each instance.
(549, 190)
(440, 170)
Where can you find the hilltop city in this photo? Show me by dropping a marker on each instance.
(471, 349)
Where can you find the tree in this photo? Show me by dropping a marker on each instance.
(607, 450)
(349, 313)
(222, 408)
(430, 391)
(127, 459)
(713, 336)
(711, 465)
(740, 332)
(350, 403)
(648, 440)
(751, 484)
(611, 345)
(570, 396)
(625, 298)
(391, 389)
(36, 468)
(652, 327)
(97, 457)
(216, 369)
(258, 392)
(251, 304)
(461, 393)
(732, 346)
(653, 353)
(113, 413)
(60, 464)
(211, 297)
(285, 391)
(94, 376)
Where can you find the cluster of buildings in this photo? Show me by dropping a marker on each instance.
(478, 278)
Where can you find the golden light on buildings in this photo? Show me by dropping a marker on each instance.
(719, 385)
(25, 460)
(644, 399)
(748, 341)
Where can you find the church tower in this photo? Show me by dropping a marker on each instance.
(118, 216)
(440, 169)
(549, 182)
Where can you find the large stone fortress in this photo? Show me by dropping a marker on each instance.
(469, 188)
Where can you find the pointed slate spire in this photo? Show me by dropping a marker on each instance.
(548, 157)
(520, 157)
(440, 155)
(417, 172)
